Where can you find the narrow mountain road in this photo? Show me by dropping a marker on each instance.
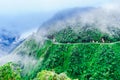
(84, 43)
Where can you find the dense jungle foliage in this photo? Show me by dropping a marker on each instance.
(86, 55)
(10, 71)
(86, 61)
(86, 34)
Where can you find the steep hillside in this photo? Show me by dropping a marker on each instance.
(78, 60)
(84, 60)
(82, 46)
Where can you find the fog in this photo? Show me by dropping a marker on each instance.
(101, 17)
(2, 53)
(25, 62)
(23, 15)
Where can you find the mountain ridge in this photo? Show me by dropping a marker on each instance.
(75, 46)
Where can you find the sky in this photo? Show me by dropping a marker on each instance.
(24, 6)
(27, 15)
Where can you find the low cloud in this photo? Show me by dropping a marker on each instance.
(107, 15)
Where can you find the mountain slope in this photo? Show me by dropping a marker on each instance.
(78, 60)
(84, 61)
(79, 48)
(82, 46)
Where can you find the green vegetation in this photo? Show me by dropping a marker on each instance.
(87, 54)
(29, 47)
(84, 60)
(33, 49)
(10, 71)
(78, 60)
(49, 75)
(85, 35)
